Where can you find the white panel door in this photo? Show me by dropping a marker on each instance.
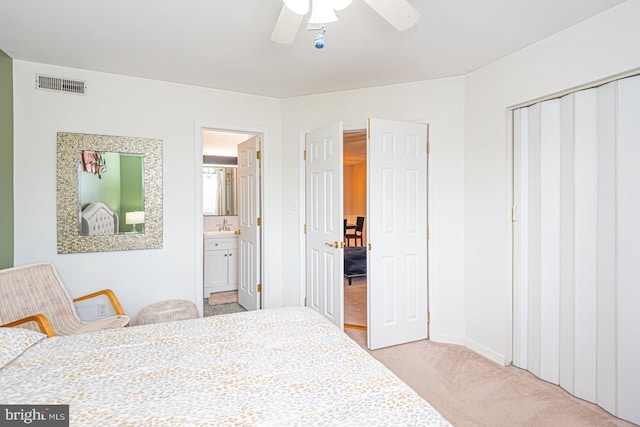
(248, 181)
(397, 232)
(324, 221)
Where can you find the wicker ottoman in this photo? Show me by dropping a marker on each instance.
(168, 311)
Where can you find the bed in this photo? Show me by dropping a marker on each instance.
(355, 262)
(278, 367)
(98, 220)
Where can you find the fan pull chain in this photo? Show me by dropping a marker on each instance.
(319, 38)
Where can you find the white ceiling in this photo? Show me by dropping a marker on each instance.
(225, 44)
(220, 143)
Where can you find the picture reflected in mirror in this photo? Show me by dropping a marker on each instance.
(110, 193)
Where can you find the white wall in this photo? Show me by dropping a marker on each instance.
(118, 105)
(441, 103)
(595, 49)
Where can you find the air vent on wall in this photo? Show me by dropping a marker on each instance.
(61, 84)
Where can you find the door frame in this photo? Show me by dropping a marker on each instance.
(431, 218)
(198, 216)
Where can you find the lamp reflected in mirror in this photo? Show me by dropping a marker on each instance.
(133, 219)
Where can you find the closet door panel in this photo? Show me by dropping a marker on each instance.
(567, 240)
(534, 253)
(606, 265)
(520, 243)
(628, 262)
(585, 224)
(577, 244)
(550, 240)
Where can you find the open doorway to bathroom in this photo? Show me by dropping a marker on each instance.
(231, 209)
(355, 207)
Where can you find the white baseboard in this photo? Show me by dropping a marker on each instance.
(471, 345)
(447, 339)
(500, 359)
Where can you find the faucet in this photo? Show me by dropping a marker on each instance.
(225, 226)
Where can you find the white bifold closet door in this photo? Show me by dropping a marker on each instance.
(577, 244)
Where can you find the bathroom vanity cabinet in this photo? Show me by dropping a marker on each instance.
(220, 262)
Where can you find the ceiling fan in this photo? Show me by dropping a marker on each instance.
(399, 13)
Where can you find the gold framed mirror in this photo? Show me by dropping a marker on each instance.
(109, 193)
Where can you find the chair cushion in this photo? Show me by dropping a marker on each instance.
(113, 322)
(14, 342)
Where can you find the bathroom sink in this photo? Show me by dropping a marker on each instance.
(219, 233)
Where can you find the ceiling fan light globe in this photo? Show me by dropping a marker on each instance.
(299, 7)
(322, 12)
(340, 4)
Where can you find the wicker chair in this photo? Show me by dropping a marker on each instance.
(34, 297)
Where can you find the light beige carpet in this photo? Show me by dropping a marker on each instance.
(223, 297)
(470, 390)
(355, 302)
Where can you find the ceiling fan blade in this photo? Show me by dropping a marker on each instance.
(286, 26)
(399, 13)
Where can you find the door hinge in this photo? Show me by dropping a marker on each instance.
(428, 317)
(305, 302)
(259, 287)
(259, 222)
(513, 214)
(259, 155)
(428, 232)
(304, 155)
(428, 147)
(305, 229)
(369, 127)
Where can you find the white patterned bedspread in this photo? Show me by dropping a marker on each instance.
(278, 367)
